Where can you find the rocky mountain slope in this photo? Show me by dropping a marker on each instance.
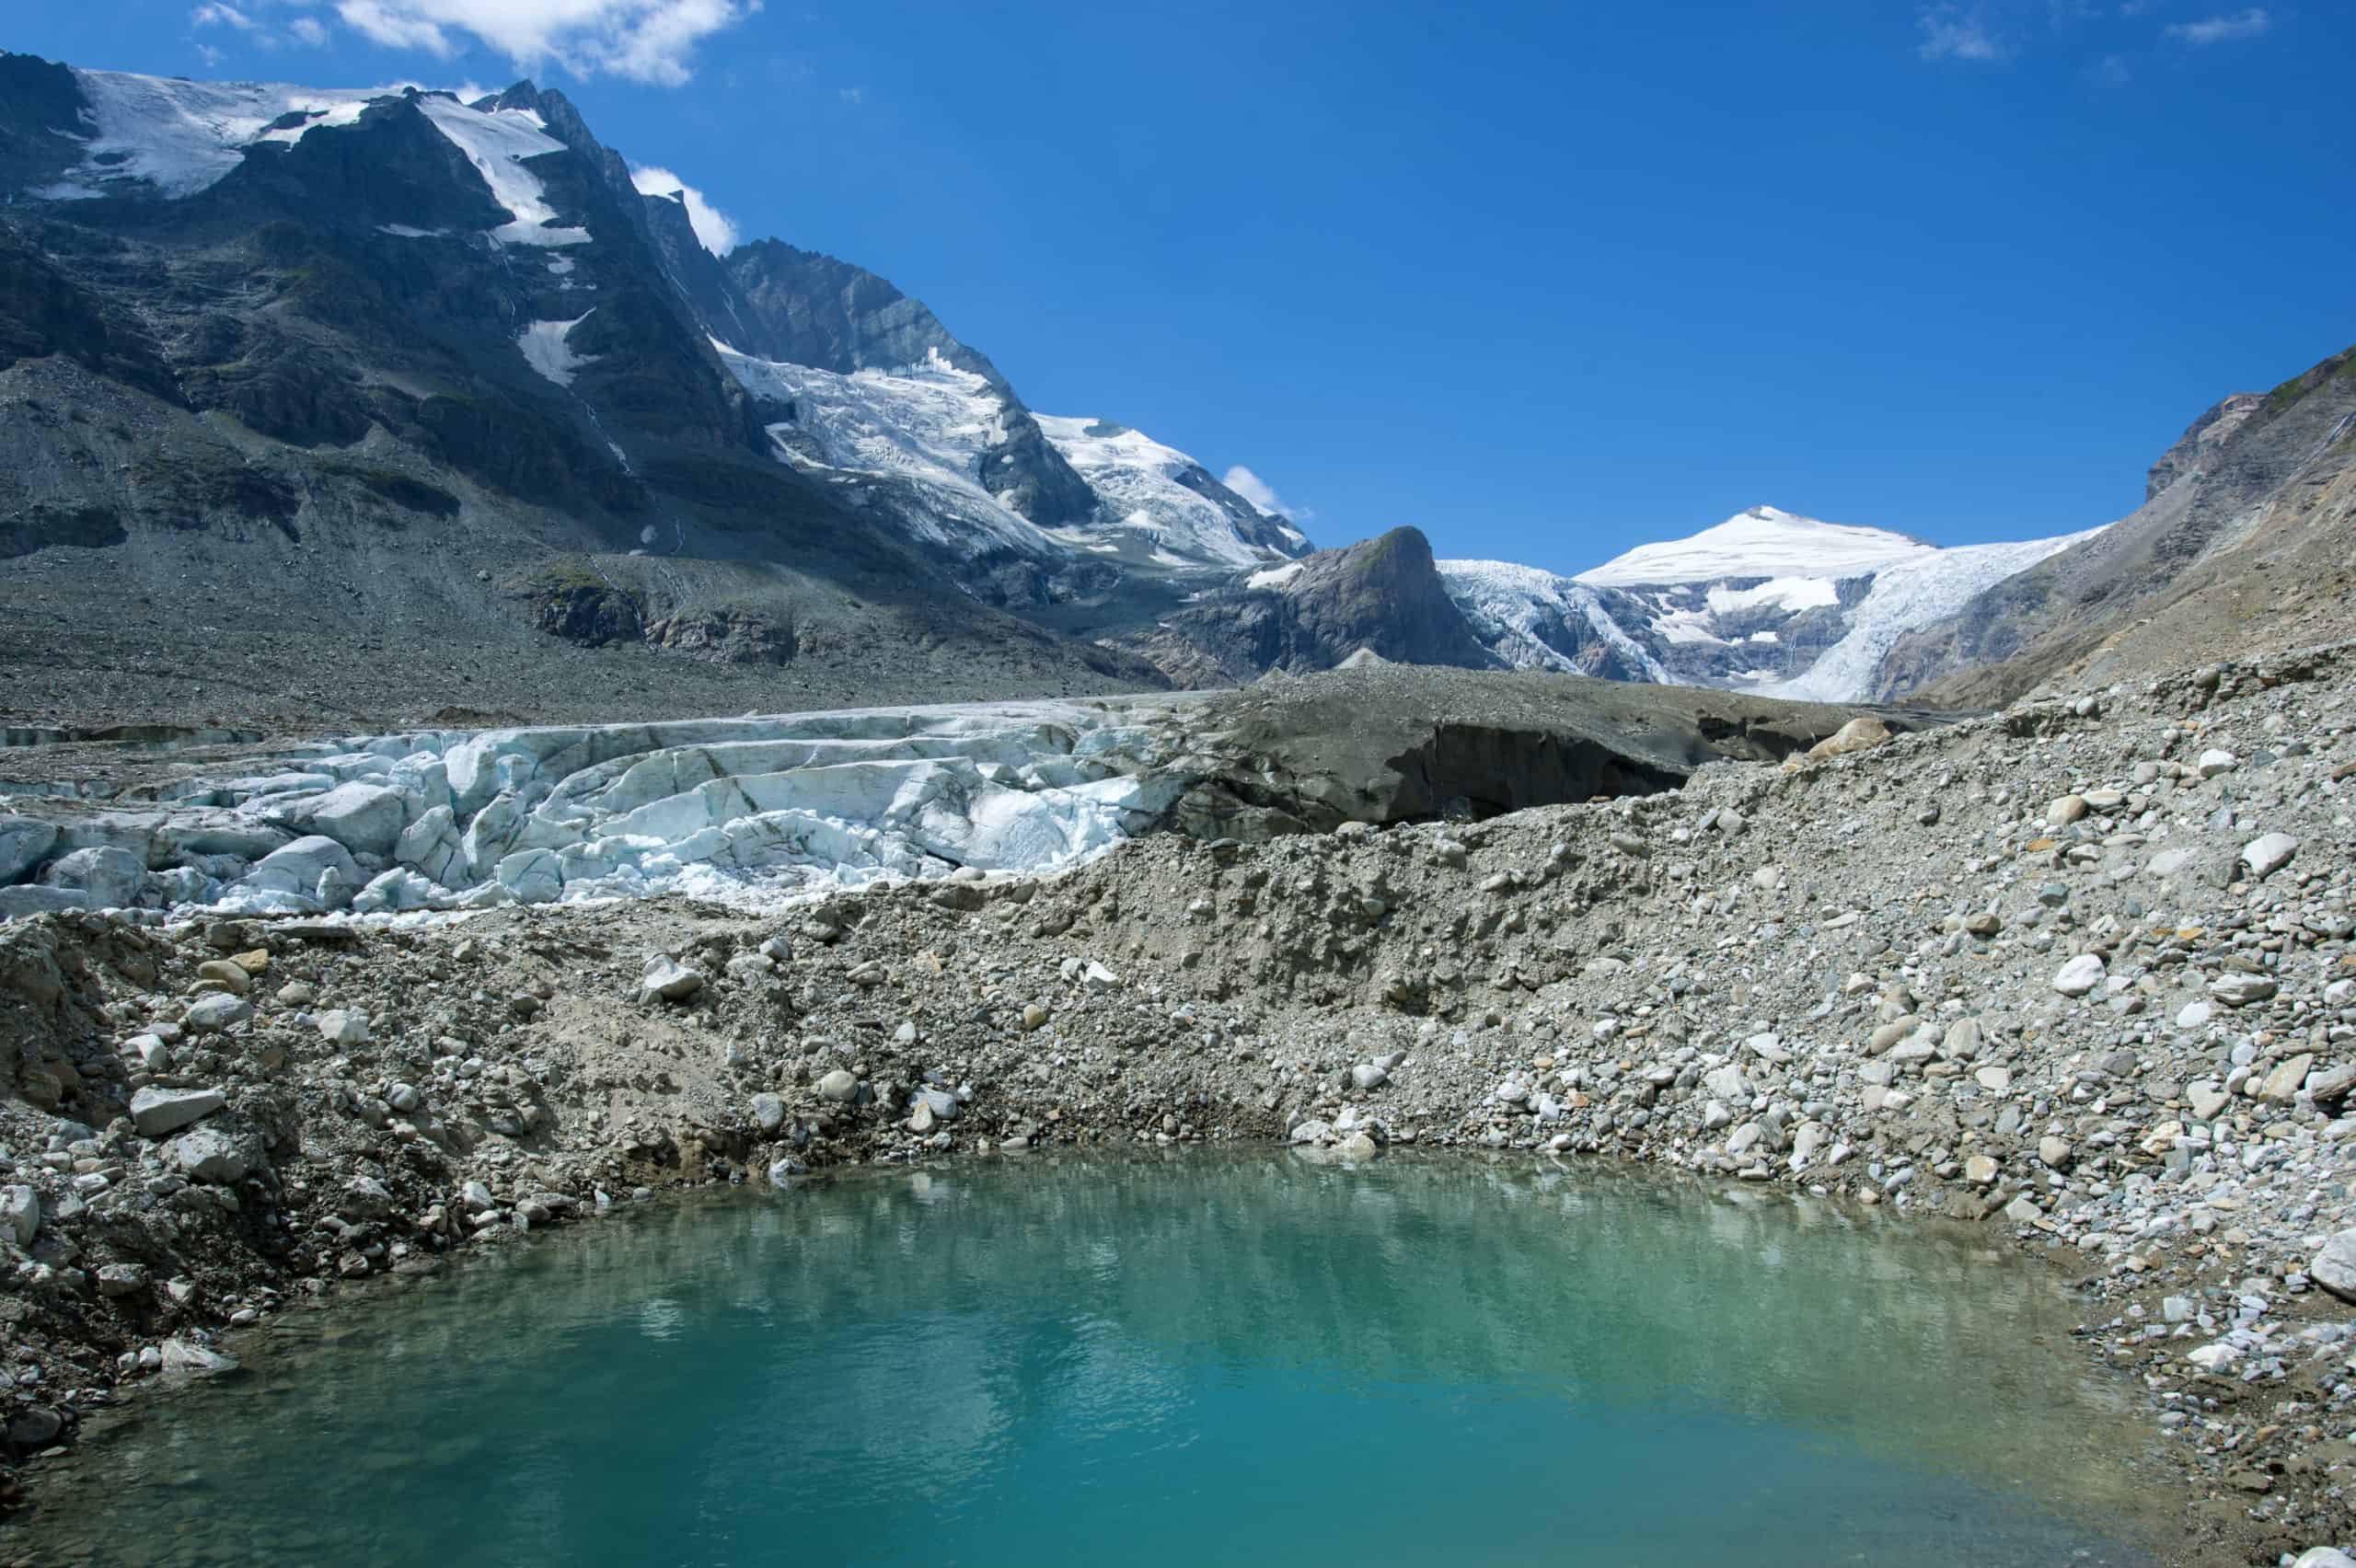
(2247, 542)
(380, 405)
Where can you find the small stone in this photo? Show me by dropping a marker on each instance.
(195, 1360)
(2054, 1152)
(1996, 1080)
(2282, 1083)
(1367, 1077)
(1980, 1169)
(2066, 811)
(121, 1279)
(1034, 1016)
(768, 1111)
(2215, 761)
(2195, 1015)
(840, 1086)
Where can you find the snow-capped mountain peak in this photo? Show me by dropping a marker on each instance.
(1766, 601)
(1762, 542)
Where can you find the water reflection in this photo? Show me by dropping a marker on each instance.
(1200, 1358)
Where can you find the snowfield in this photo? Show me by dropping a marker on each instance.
(1137, 479)
(182, 137)
(1761, 542)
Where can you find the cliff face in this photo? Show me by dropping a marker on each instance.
(1383, 595)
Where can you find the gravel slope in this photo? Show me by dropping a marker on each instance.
(2049, 972)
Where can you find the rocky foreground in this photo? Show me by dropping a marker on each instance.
(2081, 972)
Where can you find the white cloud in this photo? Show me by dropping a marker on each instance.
(712, 226)
(216, 15)
(2112, 71)
(851, 95)
(2223, 29)
(1952, 31)
(1259, 492)
(307, 29)
(647, 41)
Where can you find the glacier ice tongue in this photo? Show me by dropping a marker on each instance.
(752, 808)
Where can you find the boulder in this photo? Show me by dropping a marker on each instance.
(220, 1010)
(666, 980)
(207, 1155)
(2334, 1268)
(1862, 734)
(2267, 855)
(20, 1214)
(2080, 975)
(155, 1112)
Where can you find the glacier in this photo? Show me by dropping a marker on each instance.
(1143, 487)
(1912, 594)
(757, 809)
(1511, 607)
(1762, 542)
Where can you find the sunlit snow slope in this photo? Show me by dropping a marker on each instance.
(1767, 600)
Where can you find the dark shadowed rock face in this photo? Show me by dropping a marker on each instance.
(301, 396)
(1382, 596)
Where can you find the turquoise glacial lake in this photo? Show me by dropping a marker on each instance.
(1196, 1359)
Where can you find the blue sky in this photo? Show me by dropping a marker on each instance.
(1546, 281)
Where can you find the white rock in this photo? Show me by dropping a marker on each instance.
(344, 1026)
(668, 980)
(2334, 1268)
(2215, 761)
(2080, 975)
(2267, 855)
(2238, 990)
